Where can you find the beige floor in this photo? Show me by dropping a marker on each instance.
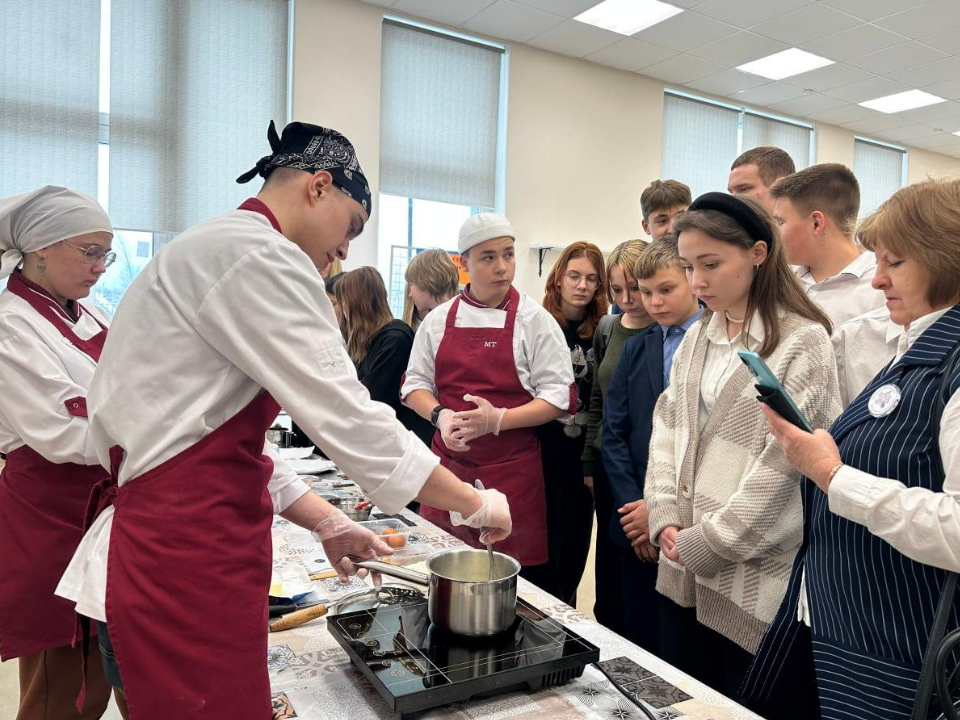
(9, 692)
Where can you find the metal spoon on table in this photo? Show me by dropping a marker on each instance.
(492, 575)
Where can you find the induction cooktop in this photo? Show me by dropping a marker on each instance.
(416, 666)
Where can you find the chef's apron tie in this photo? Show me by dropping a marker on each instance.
(103, 495)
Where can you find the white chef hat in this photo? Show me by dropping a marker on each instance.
(44, 217)
(482, 227)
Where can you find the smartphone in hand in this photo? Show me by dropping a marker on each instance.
(772, 392)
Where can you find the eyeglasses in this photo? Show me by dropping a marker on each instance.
(95, 254)
(574, 279)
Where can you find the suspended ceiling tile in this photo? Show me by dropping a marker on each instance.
(933, 113)
(899, 57)
(727, 82)
(566, 8)
(951, 149)
(829, 77)
(442, 11)
(844, 114)
(904, 134)
(681, 69)
(575, 38)
(769, 94)
(853, 42)
(510, 20)
(631, 54)
(867, 90)
(934, 140)
(873, 9)
(745, 13)
(949, 90)
(872, 125)
(921, 76)
(932, 18)
(808, 105)
(809, 23)
(686, 31)
(381, 3)
(948, 40)
(740, 48)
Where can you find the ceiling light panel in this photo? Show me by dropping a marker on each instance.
(628, 17)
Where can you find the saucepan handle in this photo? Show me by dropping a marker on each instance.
(396, 571)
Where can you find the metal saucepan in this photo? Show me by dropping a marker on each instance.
(462, 599)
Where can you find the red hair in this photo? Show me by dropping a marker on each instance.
(552, 299)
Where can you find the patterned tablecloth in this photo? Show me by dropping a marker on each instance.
(312, 677)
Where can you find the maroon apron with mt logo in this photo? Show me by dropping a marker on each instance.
(479, 361)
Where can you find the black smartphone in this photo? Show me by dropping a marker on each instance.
(772, 392)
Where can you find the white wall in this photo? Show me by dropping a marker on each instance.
(582, 140)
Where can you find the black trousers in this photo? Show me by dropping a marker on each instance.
(641, 601)
(609, 608)
(569, 515)
(720, 663)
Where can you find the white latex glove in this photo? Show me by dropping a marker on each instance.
(450, 433)
(493, 516)
(341, 537)
(484, 420)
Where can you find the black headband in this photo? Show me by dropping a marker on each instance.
(734, 207)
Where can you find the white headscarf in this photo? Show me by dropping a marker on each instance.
(44, 217)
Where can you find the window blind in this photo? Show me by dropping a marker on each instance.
(699, 143)
(879, 170)
(194, 84)
(49, 89)
(795, 139)
(439, 115)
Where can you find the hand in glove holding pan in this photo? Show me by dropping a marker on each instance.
(342, 537)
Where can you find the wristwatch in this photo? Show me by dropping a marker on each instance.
(435, 414)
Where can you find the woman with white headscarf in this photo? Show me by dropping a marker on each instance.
(55, 245)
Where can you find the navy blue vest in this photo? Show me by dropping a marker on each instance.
(872, 607)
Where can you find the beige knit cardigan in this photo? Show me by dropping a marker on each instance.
(730, 488)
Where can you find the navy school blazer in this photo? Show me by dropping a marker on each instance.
(628, 421)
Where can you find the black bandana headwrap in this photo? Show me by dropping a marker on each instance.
(313, 148)
(734, 207)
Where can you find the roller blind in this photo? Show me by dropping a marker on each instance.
(795, 139)
(440, 106)
(879, 170)
(49, 86)
(699, 143)
(194, 84)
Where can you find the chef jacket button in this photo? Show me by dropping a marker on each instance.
(685, 490)
(76, 404)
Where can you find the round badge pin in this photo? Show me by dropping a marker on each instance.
(884, 400)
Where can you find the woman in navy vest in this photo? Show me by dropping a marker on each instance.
(882, 515)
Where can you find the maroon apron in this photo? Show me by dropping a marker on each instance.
(41, 516)
(479, 361)
(188, 572)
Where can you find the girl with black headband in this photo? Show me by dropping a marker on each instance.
(724, 503)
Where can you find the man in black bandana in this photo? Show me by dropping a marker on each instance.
(227, 325)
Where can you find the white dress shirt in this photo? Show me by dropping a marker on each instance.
(39, 371)
(864, 345)
(229, 309)
(923, 525)
(848, 293)
(539, 349)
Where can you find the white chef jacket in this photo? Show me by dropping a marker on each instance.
(39, 371)
(540, 351)
(228, 309)
(864, 345)
(848, 293)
